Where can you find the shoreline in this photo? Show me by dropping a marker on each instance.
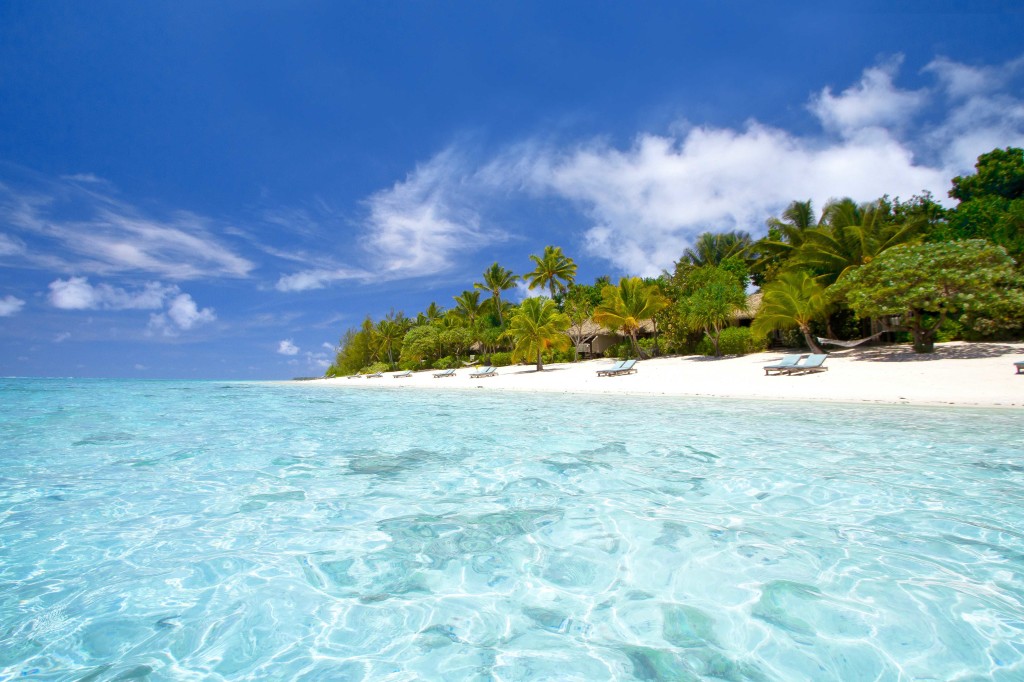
(958, 374)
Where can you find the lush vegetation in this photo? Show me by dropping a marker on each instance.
(914, 269)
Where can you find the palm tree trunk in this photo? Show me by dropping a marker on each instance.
(810, 341)
(540, 367)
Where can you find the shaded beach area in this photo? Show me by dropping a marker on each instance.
(958, 373)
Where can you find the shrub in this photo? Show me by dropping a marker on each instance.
(734, 341)
(378, 367)
(500, 359)
(447, 362)
(620, 350)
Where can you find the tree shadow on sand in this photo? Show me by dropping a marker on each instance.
(905, 353)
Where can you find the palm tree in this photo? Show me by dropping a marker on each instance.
(537, 326)
(785, 236)
(711, 248)
(388, 335)
(496, 280)
(554, 270)
(626, 307)
(850, 235)
(468, 306)
(795, 299)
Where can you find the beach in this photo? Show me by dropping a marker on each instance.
(957, 373)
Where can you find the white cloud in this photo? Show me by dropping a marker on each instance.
(10, 246)
(10, 305)
(75, 293)
(62, 337)
(83, 230)
(286, 347)
(184, 312)
(874, 102)
(418, 226)
(316, 279)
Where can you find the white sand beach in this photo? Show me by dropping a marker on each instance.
(962, 374)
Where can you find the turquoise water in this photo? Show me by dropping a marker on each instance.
(206, 530)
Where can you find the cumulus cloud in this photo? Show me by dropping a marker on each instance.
(286, 347)
(76, 293)
(184, 312)
(873, 102)
(646, 203)
(10, 305)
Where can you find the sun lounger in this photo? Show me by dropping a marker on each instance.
(812, 363)
(403, 375)
(608, 370)
(785, 363)
(357, 375)
(376, 375)
(624, 367)
(1020, 366)
(445, 373)
(485, 372)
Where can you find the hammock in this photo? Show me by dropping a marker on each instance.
(851, 343)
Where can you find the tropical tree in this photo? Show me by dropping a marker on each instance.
(537, 326)
(468, 306)
(711, 248)
(850, 235)
(992, 201)
(795, 299)
(578, 303)
(496, 280)
(715, 299)
(553, 270)
(624, 308)
(926, 283)
(388, 334)
(785, 236)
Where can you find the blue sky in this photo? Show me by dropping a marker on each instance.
(218, 190)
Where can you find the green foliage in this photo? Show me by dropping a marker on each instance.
(626, 307)
(447, 362)
(578, 304)
(355, 350)
(501, 359)
(378, 367)
(927, 283)
(734, 341)
(711, 248)
(536, 327)
(991, 202)
(795, 299)
(621, 350)
(554, 270)
(496, 280)
(715, 299)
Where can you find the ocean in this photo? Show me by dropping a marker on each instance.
(260, 531)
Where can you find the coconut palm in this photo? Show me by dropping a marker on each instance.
(388, 335)
(468, 306)
(626, 307)
(711, 248)
(554, 270)
(850, 235)
(785, 236)
(496, 280)
(795, 299)
(537, 326)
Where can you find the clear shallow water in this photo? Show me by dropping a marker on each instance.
(205, 530)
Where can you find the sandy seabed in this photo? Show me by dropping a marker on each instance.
(962, 374)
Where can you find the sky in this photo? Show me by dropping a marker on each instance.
(219, 190)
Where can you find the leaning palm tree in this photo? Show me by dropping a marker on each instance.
(795, 299)
(626, 307)
(554, 270)
(496, 280)
(537, 326)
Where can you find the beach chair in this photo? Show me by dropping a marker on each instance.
(445, 373)
(1020, 366)
(485, 372)
(376, 375)
(403, 375)
(785, 363)
(627, 367)
(357, 375)
(608, 370)
(812, 363)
